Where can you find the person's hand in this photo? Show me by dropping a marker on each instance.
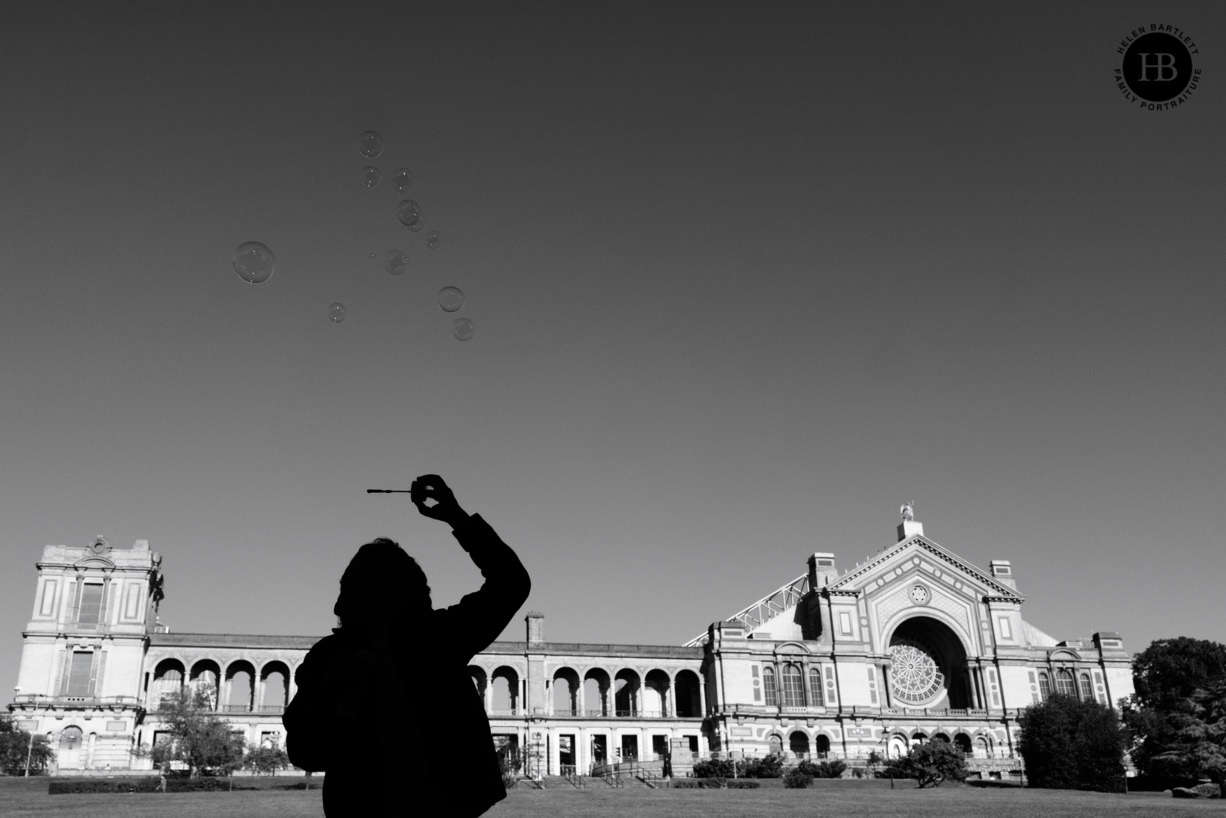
(435, 499)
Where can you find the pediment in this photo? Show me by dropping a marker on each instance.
(920, 555)
(94, 562)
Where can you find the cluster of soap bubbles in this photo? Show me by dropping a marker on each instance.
(255, 263)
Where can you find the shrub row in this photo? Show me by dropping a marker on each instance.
(715, 784)
(765, 767)
(144, 784)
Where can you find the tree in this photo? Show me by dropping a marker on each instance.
(1200, 736)
(16, 747)
(198, 737)
(930, 764)
(266, 759)
(509, 764)
(1069, 743)
(1166, 676)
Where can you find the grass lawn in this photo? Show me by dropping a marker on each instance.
(20, 798)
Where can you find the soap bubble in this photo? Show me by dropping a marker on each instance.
(254, 262)
(336, 312)
(396, 262)
(434, 238)
(409, 213)
(402, 180)
(370, 176)
(463, 329)
(450, 298)
(370, 144)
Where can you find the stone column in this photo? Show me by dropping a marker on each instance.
(580, 697)
(671, 703)
(702, 697)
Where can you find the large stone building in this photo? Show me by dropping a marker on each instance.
(912, 645)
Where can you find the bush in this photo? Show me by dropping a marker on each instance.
(1072, 744)
(715, 768)
(930, 764)
(797, 779)
(823, 769)
(742, 784)
(767, 767)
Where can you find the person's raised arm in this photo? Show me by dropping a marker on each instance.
(477, 619)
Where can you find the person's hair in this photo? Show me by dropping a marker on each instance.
(382, 577)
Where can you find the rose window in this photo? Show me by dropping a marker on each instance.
(915, 677)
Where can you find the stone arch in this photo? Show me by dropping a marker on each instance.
(70, 754)
(240, 687)
(565, 691)
(941, 735)
(206, 676)
(274, 678)
(963, 742)
(928, 665)
(167, 680)
(626, 692)
(983, 746)
(479, 678)
(689, 701)
(504, 691)
(596, 684)
(775, 743)
(821, 745)
(798, 743)
(897, 746)
(656, 685)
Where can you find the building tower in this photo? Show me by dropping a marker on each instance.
(83, 651)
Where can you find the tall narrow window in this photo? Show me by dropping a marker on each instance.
(1044, 687)
(815, 686)
(91, 604)
(768, 685)
(1087, 692)
(78, 673)
(793, 687)
(1064, 683)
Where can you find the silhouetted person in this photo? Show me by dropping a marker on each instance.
(385, 705)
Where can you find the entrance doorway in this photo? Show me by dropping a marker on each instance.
(630, 748)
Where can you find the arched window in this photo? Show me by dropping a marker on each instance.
(1044, 687)
(793, 687)
(504, 698)
(1064, 683)
(776, 744)
(963, 741)
(821, 746)
(768, 684)
(798, 743)
(815, 687)
(1087, 691)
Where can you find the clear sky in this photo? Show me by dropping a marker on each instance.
(745, 278)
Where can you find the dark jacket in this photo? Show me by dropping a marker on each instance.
(398, 733)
